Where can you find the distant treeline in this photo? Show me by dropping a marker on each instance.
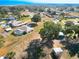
(15, 10)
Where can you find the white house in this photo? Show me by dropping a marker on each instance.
(23, 29)
(19, 32)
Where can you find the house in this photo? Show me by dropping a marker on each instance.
(32, 24)
(42, 14)
(58, 12)
(19, 32)
(8, 29)
(57, 52)
(71, 23)
(29, 29)
(2, 22)
(56, 17)
(15, 23)
(71, 17)
(76, 23)
(23, 30)
(55, 21)
(9, 18)
(26, 28)
(4, 25)
(3, 57)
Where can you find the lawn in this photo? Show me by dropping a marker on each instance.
(25, 19)
(71, 20)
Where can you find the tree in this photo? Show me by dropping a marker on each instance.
(53, 13)
(41, 9)
(4, 10)
(62, 16)
(49, 10)
(50, 30)
(71, 9)
(36, 18)
(10, 54)
(72, 34)
(72, 42)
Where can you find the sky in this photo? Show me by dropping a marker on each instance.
(37, 1)
(53, 1)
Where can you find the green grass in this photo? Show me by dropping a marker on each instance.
(37, 29)
(24, 19)
(71, 20)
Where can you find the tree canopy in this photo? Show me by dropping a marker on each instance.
(36, 18)
(50, 30)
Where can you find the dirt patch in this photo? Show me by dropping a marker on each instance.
(3, 51)
(57, 44)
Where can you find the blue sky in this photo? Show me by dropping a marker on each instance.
(37, 1)
(53, 1)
